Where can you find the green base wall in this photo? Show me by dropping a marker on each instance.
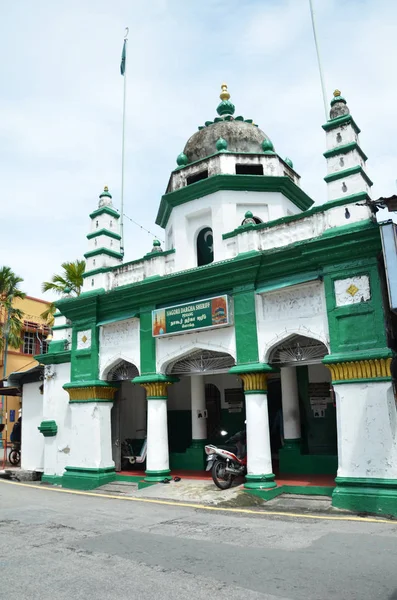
(193, 459)
(79, 478)
(374, 496)
(52, 479)
(304, 490)
(292, 462)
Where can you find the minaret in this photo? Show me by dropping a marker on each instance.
(104, 242)
(346, 170)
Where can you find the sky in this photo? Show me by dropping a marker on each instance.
(62, 95)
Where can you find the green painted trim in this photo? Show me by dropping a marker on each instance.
(81, 478)
(123, 317)
(57, 358)
(106, 251)
(91, 400)
(346, 173)
(293, 443)
(48, 428)
(89, 383)
(344, 149)
(157, 476)
(216, 183)
(373, 496)
(105, 210)
(343, 120)
(248, 392)
(245, 324)
(363, 380)
(354, 356)
(154, 378)
(251, 368)
(308, 490)
(367, 481)
(229, 153)
(259, 482)
(96, 272)
(288, 282)
(156, 397)
(352, 198)
(265, 494)
(103, 231)
(52, 479)
(133, 478)
(59, 327)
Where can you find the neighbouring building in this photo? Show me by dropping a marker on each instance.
(259, 304)
(18, 360)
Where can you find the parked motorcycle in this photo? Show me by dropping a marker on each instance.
(224, 466)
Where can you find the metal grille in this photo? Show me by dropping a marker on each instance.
(123, 371)
(298, 349)
(202, 361)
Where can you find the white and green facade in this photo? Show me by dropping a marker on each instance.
(260, 301)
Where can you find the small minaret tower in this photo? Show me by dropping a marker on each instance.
(104, 243)
(346, 169)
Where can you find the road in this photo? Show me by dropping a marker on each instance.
(66, 546)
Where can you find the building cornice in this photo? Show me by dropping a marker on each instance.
(246, 183)
(344, 149)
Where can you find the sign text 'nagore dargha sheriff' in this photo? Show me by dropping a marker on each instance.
(208, 313)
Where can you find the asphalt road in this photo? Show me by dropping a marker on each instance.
(65, 546)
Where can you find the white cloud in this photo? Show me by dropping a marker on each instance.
(61, 102)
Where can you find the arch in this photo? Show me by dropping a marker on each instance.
(205, 246)
(201, 361)
(297, 349)
(117, 362)
(189, 348)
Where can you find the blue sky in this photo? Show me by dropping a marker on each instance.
(61, 104)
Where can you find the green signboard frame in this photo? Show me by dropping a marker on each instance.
(210, 313)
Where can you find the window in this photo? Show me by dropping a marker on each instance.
(197, 177)
(256, 219)
(33, 343)
(249, 169)
(111, 224)
(205, 247)
(97, 224)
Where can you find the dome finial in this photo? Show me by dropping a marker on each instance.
(338, 106)
(224, 95)
(337, 93)
(225, 108)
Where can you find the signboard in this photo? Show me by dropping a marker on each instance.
(203, 314)
(320, 397)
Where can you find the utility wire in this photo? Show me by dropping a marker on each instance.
(141, 227)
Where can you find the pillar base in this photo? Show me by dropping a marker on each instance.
(366, 495)
(157, 476)
(81, 478)
(260, 482)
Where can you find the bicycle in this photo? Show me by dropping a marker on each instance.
(15, 455)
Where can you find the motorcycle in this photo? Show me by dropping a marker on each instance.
(224, 466)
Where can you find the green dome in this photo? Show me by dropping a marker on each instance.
(267, 146)
(289, 162)
(182, 160)
(105, 193)
(221, 144)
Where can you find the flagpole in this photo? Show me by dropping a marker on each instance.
(319, 61)
(123, 143)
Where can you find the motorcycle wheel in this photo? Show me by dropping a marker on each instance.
(14, 457)
(222, 482)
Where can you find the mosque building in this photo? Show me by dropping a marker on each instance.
(259, 305)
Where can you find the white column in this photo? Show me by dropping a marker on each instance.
(91, 439)
(290, 403)
(199, 424)
(259, 457)
(157, 461)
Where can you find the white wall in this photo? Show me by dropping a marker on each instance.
(32, 441)
(56, 408)
(298, 309)
(367, 430)
(119, 341)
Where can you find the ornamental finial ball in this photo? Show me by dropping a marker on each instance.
(337, 93)
(106, 189)
(224, 95)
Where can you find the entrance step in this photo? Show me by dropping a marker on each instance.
(118, 488)
(300, 503)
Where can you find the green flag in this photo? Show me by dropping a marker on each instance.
(123, 58)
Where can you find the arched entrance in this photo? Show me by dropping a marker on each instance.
(128, 415)
(302, 412)
(205, 401)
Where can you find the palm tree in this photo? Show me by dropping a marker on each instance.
(70, 281)
(11, 323)
(48, 314)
